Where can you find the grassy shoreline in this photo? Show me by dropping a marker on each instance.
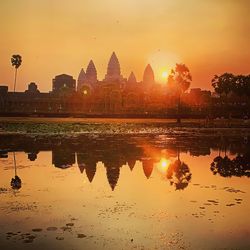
(167, 121)
(74, 126)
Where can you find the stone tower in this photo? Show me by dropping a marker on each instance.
(132, 78)
(148, 76)
(81, 79)
(113, 71)
(91, 73)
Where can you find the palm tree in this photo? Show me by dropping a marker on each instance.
(16, 182)
(179, 80)
(16, 61)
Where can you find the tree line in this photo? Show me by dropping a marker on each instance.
(229, 83)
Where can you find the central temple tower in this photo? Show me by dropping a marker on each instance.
(114, 70)
(148, 76)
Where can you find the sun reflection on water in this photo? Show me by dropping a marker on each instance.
(163, 165)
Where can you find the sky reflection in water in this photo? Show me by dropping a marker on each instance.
(126, 192)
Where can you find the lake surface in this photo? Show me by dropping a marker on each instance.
(125, 192)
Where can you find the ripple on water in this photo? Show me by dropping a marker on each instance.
(51, 228)
(60, 238)
(37, 229)
(81, 235)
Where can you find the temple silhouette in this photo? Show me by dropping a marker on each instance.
(117, 152)
(115, 94)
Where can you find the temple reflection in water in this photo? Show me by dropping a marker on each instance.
(114, 152)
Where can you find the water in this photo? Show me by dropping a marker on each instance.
(125, 192)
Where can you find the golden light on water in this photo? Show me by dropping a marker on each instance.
(163, 165)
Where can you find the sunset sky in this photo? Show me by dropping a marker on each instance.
(59, 36)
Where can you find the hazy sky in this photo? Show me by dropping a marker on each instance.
(59, 36)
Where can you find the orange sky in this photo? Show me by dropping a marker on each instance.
(59, 36)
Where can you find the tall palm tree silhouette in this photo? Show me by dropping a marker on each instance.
(16, 61)
(16, 182)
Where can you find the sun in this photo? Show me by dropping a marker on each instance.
(162, 61)
(164, 74)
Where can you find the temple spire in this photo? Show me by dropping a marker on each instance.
(90, 169)
(148, 167)
(113, 70)
(148, 76)
(132, 78)
(131, 163)
(81, 79)
(113, 176)
(91, 73)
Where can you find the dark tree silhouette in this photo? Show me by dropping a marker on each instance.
(223, 84)
(16, 61)
(238, 166)
(179, 175)
(221, 165)
(179, 80)
(242, 165)
(32, 156)
(242, 85)
(227, 82)
(239, 88)
(247, 85)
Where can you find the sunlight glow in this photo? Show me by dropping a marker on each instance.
(164, 74)
(161, 62)
(163, 165)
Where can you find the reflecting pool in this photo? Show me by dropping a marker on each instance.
(124, 192)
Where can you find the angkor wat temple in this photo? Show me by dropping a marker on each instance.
(113, 95)
(116, 152)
